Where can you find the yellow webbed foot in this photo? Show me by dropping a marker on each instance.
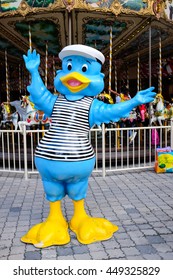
(47, 234)
(89, 230)
(53, 231)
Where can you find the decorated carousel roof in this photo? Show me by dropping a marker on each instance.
(57, 23)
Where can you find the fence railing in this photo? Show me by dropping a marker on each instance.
(115, 148)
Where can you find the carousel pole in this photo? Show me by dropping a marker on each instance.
(46, 63)
(30, 39)
(7, 79)
(117, 133)
(30, 46)
(95, 44)
(138, 72)
(127, 75)
(110, 59)
(149, 63)
(25, 80)
(69, 28)
(150, 55)
(160, 65)
(54, 71)
(116, 79)
(20, 80)
(138, 85)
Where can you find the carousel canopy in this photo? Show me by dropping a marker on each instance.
(137, 28)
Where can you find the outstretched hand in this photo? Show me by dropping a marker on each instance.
(32, 60)
(145, 96)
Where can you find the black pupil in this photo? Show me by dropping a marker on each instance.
(84, 68)
(69, 67)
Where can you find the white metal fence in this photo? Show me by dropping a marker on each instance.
(113, 149)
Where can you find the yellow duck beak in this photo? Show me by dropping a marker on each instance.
(75, 81)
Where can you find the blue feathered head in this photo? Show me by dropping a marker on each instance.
(81, 72)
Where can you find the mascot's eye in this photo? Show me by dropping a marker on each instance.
(69, 66)
(84, 68)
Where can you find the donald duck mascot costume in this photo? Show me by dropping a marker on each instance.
(64, 157)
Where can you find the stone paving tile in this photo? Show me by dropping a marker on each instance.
(134, 257)
(94, 247)
(155, 239)
(136, 201)
(63, 251)
(115, 254)
(82, 257)
(71, 257)
(152, 257)
(149, 232)
(15, 257)
(144, 226)
(163, 230)
(167, 237)
(49, 253)
(166, 256)
(140, 240)
(126, 243)
(32, 255)
(14, 250)
(162, 248)
(131, 251)
(80, 249)
(99, 255)
(170, 244)
(111, 244)
(146, 249)
(4, 252)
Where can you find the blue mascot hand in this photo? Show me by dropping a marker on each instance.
(145, 96)
(32, 61)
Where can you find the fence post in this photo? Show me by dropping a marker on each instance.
(171, 133)
(25, 153)
(103, 151)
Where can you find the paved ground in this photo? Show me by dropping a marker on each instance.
(140, 203)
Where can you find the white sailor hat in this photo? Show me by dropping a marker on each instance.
(82, 50)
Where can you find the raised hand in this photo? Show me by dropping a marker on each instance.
(32, 61)
(145, 96)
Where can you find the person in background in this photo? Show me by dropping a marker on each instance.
(123, 96)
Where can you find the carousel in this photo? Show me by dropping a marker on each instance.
(134, 36)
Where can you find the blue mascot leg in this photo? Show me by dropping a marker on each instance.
(78, 190)
(54, 230)
(54, 190)
(87, 229)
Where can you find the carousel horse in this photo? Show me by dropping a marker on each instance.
(133, 115)
(32, 116)
(8, 117)
(160, 112)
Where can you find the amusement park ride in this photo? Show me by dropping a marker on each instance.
(134, 36)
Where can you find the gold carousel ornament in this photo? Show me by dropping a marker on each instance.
(158, 7)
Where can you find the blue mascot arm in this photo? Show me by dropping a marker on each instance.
(104, 113)
(42, 98)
